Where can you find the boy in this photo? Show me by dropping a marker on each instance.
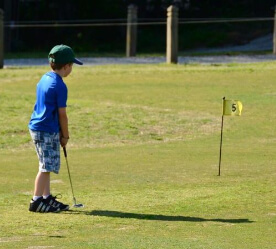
(49, 127)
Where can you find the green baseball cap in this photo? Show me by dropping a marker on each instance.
(62, 54)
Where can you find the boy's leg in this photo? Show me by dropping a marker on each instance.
(48, 151)
(42, 184)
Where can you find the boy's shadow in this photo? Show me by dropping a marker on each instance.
(118, 214)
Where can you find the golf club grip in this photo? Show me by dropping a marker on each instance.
(64, 151)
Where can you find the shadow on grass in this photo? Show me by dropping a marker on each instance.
(117, 214)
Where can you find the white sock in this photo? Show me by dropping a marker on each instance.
(36, 197)
(45, 196)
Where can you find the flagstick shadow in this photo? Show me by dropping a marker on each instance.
(124, 215)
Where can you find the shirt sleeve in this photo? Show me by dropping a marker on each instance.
(62, 95)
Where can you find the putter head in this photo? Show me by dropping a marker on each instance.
(78, 205)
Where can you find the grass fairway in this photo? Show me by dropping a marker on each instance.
(143, 154)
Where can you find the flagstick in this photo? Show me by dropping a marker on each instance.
(220, 143)
(221, 133)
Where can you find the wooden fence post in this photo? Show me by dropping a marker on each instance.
(131, 38)
(1, 38)
(274, 33)
(172, 34)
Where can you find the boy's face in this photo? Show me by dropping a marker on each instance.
(68, 69)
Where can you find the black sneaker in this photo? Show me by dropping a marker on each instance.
(53, 202)
(42, 207)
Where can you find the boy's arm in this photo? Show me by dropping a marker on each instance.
(63, 122)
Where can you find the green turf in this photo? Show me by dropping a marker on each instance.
(143, 153)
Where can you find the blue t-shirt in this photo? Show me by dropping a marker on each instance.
(51, 94)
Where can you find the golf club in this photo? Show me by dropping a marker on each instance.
(74, 199)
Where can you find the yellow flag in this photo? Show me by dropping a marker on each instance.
(232, 107)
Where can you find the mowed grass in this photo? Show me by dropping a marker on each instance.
(143, 154)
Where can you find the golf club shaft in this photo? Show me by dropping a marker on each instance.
(65, 155)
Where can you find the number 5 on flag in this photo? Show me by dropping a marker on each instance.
(231, 107)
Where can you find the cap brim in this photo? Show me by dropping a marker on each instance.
(77, 62)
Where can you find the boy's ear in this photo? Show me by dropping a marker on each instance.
(65, 66)
(68, 65)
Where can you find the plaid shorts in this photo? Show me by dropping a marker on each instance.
(47, 147)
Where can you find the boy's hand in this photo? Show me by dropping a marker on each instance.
(63, 122)
(63, 141)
